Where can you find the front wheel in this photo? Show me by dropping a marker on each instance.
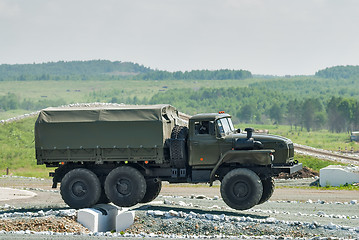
(152, 191)
(80, 188)
(241, 189)
(268, 189)
(125, 186)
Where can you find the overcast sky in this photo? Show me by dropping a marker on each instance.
(275, 37)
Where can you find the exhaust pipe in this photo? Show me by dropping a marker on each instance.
(249, 132)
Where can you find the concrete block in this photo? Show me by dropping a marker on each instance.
(124, 220)
(336, 175)
(89, 218)
(99, 218)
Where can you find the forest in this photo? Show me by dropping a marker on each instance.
(106, 70)
(327, 100)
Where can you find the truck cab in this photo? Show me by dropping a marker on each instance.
(207, 138)
(212, 135)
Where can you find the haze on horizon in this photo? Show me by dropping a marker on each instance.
(277, 37)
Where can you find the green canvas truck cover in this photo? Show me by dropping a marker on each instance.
(125, 126)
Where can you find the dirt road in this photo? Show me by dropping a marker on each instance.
(45, 196)
(196, 210)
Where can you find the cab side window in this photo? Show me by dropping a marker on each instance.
(202, 127)
(220, 128)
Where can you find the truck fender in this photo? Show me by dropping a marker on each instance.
(244, 157)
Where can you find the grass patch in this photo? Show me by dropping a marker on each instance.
(315, 163)
(341, 187)
(347, 187)
(4, 115)
(17, 151)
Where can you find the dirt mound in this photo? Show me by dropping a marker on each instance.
(304, 173)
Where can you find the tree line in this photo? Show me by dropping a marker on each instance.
(196, 75)
(338, 72)
(259, 106)
(50, 70)
(106, 70)
(343, 114)
(256, 105)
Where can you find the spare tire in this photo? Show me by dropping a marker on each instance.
(178, 148)
(179, 132)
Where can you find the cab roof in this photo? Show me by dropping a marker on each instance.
(209, 116)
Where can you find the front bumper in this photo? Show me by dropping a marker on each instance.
(279, 168)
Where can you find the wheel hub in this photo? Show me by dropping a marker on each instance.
(79, 189)
(124, 186)
(240, 189)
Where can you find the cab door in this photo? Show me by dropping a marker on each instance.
(203, 144)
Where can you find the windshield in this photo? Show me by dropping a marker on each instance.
(225, 126)
(230, 124)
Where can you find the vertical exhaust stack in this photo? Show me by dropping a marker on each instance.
(249, 132)
(248, 143)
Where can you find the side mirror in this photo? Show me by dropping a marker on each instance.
(238, 130)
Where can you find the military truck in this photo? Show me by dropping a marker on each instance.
(121, 154)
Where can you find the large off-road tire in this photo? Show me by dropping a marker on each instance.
(80, 188)
(103, 198)
(241, 189)
(178, 149)
(268, 189)
(153, 189)
(125, 186)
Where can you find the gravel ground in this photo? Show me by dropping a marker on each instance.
(190, 211)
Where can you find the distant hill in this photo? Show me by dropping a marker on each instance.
(339, 72)
(107, 70)
(61, 70)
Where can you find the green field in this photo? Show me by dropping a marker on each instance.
(99, 91)
(77, 91)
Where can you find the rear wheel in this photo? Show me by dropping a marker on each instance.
(268, 189)
(153, 189)
(241, 189)
(103, 198)
(125, 186)
(80, 188)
